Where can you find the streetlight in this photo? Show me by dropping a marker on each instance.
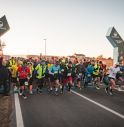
(2, 45)
(45, 46)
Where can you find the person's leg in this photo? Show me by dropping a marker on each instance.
(112, 86)
(30, 85)
(106, 82)
(22, 88)
(62, 88)
(79, 83)
(97, 82)
(51, 83)
(26, 85)
(62, 84)
(40, 85)
(57, 85)
(86, 80)
(121, 81)
(21, 83)
(6, 89)
(69, 84)
(14, 84)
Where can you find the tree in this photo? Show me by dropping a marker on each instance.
(100, 56)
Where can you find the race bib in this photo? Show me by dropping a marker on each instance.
(89, 75)
(55, 72)
(113, 74)
(62, 70)
(69, 74)
(80, 74)
(26, 83)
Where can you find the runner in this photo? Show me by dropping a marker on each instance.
(11, 62)
(102, 69)
(112, 77)
(96, 75)
(13, 70)
(41, 70)
(70, 72)
(4, 78)
(88, 74)
(63, 75)
(48, 75)
(23, 73)
(54, 72)
(120, 80)
(80, 72)
(30, 65)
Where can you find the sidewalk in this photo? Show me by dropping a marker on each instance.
(5, 110)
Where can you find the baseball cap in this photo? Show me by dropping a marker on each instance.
(117, 63)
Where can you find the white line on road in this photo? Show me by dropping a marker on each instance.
(19, 119)
(100, 105)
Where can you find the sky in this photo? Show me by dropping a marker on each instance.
(69, 26)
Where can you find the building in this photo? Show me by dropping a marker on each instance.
(6, 57)
(107, 61)
(33, 56)
(79, 56)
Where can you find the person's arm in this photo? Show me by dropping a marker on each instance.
(59, 69)
(28, 72)
(37, 67)
(50, 70)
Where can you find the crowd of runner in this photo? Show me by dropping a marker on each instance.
(59, 75)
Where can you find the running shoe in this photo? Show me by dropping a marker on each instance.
(25, 97)
(106, 90)
(111, 93)
(31, 92)
(39, 91)
(20, 93)
(56, 93)
(97, 87)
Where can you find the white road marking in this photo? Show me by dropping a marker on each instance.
(19, 119)
(100, 105)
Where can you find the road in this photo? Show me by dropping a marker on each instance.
(71, 110)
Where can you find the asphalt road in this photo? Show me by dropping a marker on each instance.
(70, 110)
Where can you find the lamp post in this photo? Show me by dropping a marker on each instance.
(45, 46)
(2, 45)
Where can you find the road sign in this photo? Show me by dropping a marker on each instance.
(4, 26)
(118, 44)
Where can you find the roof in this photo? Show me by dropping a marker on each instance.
(79, 54)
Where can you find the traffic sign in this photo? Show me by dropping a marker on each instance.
(114, 37)
(4, 26)
(118, 44)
